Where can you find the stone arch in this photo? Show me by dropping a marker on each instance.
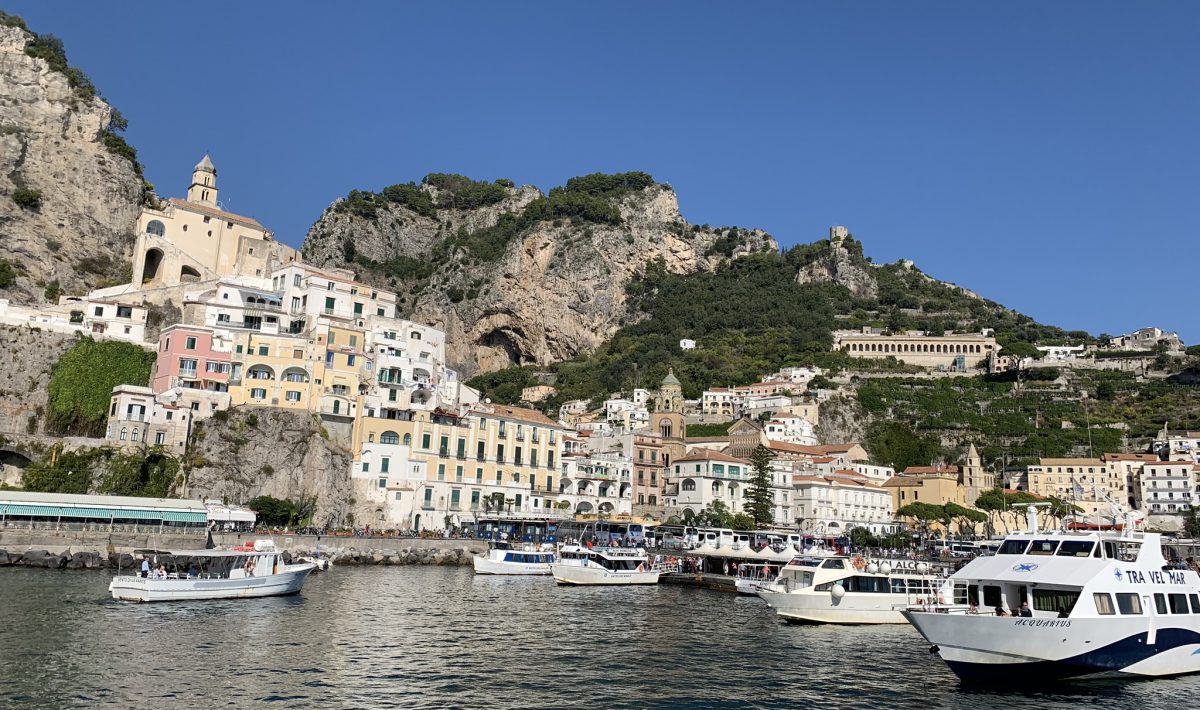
(260, 372)
(687, 485)
(188, 274)
(152, 265)
(583, 507)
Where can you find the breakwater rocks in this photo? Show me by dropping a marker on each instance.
(446, 556)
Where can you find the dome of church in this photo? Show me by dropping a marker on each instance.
(671, 379)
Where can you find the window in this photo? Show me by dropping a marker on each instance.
(189, 343)
(295, 279)
(428, 503)
(258, 393)
(1075, 548)
(124, 311)
(384, 464)
(1160, 604)
(455, 497)
(350, 361)
(353, 341)
(330, 302)
(297, 354)
(1042, 547)
(1104, 605)
(328, 358)
(263, 350)
(389, 437)
(441, 472)
(358, 309)
(1179, 603)
(408, 439)
(160, 438)
(1057, 600)
(292, 396)
(124, 433)
(1195, 598)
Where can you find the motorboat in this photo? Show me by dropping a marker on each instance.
(251, 570)
(1087, 604)
(504, 558)
(858, 590)
(579, 564)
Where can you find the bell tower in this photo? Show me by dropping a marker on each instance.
(204, 183)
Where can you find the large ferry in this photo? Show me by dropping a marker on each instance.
(1064, 605)
(253, 570)
(845, 590)
(579, 564)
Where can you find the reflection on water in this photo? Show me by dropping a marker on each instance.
(432, 637)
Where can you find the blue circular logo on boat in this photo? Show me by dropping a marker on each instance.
(1025, 567)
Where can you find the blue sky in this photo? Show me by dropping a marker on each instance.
(1042, 154)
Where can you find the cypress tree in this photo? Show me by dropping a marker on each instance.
(760, 504)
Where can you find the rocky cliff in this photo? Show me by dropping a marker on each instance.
(238, 455)
(26, 356)
(527, 278)
(68, 202)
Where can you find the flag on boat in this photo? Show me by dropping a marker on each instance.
(1076, 488)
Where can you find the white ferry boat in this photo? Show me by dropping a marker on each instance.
(844, 590)
(1088, 604)
(503, 558)
(576, 564)
(256, 570)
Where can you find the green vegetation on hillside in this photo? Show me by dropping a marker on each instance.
(103, 470)
(8, 273)
(718, 429)
(82, 380)
(463, 193)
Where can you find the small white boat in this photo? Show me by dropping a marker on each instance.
(1097, 604)
(843, 590)
(256, 570)
(502, 558)
(320, 564)
(577, 564)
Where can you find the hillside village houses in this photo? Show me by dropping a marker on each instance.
(258, 327)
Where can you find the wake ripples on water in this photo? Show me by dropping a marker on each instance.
(439, 637)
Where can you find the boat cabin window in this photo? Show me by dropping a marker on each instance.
(1195, 603)
(804, 562)
(992, 597)
(1013, 547)
(1179, 603)
(1042, 547)
(834, 563)
(1076, 548)
(1129, 603)
(1128, 551)
(1160, 604)
(1056, 600)
(1104, 604)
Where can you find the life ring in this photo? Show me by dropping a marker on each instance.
(859, 563)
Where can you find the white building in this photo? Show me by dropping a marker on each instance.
(1169, 487)
(701, 477)
(791, 429)
(597, 483)
(139, 419)
(874, 473)
(687, 344)
(1061, 352)
(836, 503)
(794, 375)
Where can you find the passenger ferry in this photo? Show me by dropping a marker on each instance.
(577, 564)
(503, 558)
(1087, 604)
(253, 570)
(844, 590)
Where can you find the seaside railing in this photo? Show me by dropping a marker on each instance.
(100, 527)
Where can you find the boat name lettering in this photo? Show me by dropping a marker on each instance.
(1156, 577)
(1043, 623)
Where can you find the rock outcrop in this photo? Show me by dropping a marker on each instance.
(838, 264)
(242, 454)
(26, 356)
(68, 205)
(557, 288)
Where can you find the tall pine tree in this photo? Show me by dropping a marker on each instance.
(760, 504)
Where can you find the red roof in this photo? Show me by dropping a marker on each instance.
(931, 469)
(710, 455)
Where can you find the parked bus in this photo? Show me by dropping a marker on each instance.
(679, 537)
(602, 532)
(517, 529)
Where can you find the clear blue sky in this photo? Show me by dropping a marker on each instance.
(1043, 154)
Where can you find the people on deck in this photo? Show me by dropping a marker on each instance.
(1025, 610)
(145, 568)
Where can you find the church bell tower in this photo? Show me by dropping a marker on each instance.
(204, 183)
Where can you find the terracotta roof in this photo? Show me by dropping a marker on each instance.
(710, 455)
(794, 448)
(522, 414)
(1070, 462)
(930, 469)
(835, 448)
(214, 212)
(1129, 457)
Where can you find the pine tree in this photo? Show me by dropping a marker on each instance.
(760, 504)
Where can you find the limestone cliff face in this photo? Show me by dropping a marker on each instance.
(26, 356)
(271, 452)
(557, 289)
(51, 143)
(838, 265)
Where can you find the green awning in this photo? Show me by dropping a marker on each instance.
(181, 516)
(41, 511)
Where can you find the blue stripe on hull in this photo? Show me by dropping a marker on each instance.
(1109, 659)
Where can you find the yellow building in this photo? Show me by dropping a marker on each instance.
(1086, 482)
(935, 485)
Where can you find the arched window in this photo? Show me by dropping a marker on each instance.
(156, 228)
(389, 437)
(408, 439)
(133, 436)
(124, 433)
(687, 485)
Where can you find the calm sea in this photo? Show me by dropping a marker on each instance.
(440, 637)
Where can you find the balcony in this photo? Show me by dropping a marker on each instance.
(520, 435)
(443, 452)
(189, 374)
(480, 457)
(499, 459)
(461, 455)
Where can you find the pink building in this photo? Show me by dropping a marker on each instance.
(189, 357)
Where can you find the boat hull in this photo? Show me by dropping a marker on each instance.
(137, 589)
(595, 575)
(822, 608)
(486, 566)
(990, 649)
